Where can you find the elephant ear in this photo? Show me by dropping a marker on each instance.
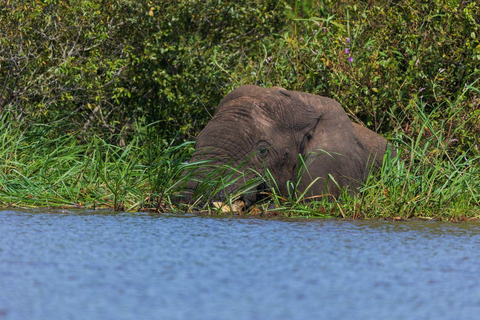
(375, 144)
(333, 153)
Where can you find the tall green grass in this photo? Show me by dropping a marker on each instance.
(36, 171)
(428, 178)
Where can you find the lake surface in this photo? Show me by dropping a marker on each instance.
(94, 265)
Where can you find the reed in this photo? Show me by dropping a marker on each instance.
(428, 178)
(36, 171)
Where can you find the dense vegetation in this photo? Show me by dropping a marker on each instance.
(98, 97)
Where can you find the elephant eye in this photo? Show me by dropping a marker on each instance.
(263, 149)
(263, 152)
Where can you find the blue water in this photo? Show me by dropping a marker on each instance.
(94, 265)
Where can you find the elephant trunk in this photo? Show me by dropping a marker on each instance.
(216, 180)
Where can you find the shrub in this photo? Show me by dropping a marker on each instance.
(380, 59)
(112, 67)
(159, 68)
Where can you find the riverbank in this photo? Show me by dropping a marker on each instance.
(98, 116)
(428, 179)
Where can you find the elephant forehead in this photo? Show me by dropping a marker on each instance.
(262, 116)
(283, 116)
(229, 129)
(269, 108)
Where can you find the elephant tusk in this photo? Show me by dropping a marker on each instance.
(237, 206)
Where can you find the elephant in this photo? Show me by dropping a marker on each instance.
(268, 128)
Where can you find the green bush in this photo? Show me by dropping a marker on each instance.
(158, 68)
(381, 59)
(111, 67)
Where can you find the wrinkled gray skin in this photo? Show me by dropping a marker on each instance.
(276, 125)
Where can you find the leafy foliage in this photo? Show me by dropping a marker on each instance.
(380, 59)
(119, 68)
(110, 67)
(96, 97)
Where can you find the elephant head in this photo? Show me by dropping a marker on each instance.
(270, 128)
